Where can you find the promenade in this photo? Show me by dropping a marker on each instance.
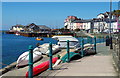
(99, 65)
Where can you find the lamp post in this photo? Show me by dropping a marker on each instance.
(118, 17)
(110, 15)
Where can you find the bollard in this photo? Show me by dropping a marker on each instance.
(68, 51)
(107, 41)
(50, 55)
(82, 47)
(30, 61)
(95, 44)
(111, 46)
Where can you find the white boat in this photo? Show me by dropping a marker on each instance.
(24, 58)
(17, 33)
(55, 48)
(44, 49)
(62, 41)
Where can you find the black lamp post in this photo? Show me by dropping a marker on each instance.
(110, 15)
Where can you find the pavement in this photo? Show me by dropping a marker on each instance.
(99, 65)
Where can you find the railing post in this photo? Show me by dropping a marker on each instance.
(50, 55)
(82, 47)
(88, 40)
(30, 61)
(95, 44)
(68, 51)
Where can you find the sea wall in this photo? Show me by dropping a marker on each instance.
(8, 68)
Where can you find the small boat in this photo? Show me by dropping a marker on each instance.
(38, 38)
(17, 33)
(62, 41)
(24, 58)
(44, 49)
(42, 67)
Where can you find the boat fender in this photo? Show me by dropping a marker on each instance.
(57, 62)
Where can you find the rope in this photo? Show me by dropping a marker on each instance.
(3, 64)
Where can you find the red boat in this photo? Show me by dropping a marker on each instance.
(42, 67)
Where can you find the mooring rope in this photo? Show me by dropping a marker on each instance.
(3, 64)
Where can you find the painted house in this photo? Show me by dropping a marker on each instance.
(68, 22)
(82, 24)
(103, 25)
(73, 23)
(30, 28)
(17, 28)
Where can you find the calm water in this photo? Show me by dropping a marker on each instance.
(13, 46)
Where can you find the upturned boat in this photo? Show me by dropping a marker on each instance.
(24, 58)
(44, 49)
(42, 67)
(62, 41)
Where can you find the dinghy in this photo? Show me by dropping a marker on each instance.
(24, 58)
(42, 67)
(44, 49)
(62, 41)
(39, 38)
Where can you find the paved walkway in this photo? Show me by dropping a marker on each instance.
(100, 64)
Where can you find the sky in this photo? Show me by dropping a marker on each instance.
(58, 0)
(51, 14)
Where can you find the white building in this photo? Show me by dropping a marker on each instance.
(73, 23)
(96, 25)
(105, 15)
(103, 25)
(17, 28)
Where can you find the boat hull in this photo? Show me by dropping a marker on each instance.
(44, 49)
(24, 58)
(42, 67)
(55, 49)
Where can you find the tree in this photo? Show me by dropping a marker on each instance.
(116, 12)
(77, 29)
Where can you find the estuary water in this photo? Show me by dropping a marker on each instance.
(13, 46)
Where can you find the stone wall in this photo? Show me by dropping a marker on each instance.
(116, 52)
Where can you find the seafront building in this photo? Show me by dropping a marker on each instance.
(96, 25)
(30, 28)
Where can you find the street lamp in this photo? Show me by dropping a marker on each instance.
(110, 15)
(118, 16)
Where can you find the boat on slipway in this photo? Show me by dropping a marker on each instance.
(44, 49)
(24, 58)
(62, 41)
(37, 54)
(42, 67)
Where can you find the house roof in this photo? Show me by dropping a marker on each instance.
(81, 21)
(43, 27)
(107, 20)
